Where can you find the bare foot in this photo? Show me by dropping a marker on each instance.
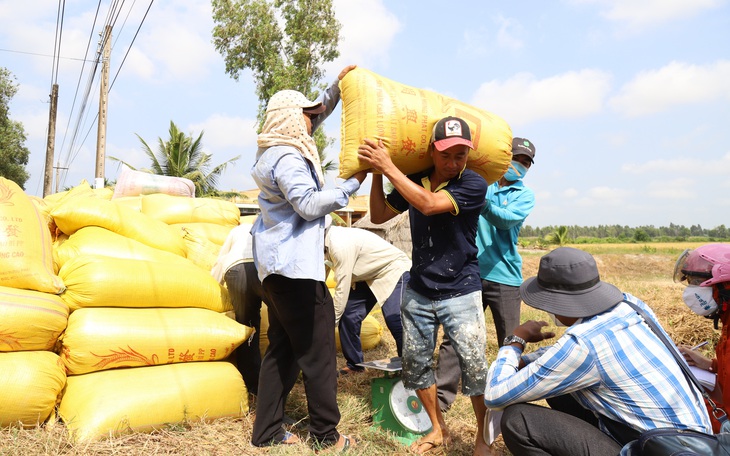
(481, 448)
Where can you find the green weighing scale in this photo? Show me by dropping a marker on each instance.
(396, 409)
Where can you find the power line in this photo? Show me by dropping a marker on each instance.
(78, 85)
(57, 42)
(130, 44)
(113, 14)
(44, 55)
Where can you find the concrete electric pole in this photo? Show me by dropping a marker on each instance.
(103, 106)
(51, 143)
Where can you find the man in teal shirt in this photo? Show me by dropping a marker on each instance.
(509, 202)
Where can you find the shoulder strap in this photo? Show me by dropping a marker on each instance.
(718, 413)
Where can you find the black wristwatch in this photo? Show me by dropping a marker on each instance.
(511, 339)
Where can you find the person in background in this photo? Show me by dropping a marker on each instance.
(367, 270)
(509, 202)
(234, 267)
(288, 249)
(607, 379)
(443, 203)
(706, 273)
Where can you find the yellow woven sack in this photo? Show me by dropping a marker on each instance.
(83, 189)
(103, 193)
(134, 202)
(212, 231)
(96, 281)
(331, 282)
(199, 250)
(140, 399)
(73, 214)
(178, 209)
(30, 386)
(371, 332)
(30, 320)
(93, 240)
(44, 209)
(264, 329)
(403, 117)
(106, 337)
(26, 255)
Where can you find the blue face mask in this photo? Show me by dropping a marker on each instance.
(512, 175)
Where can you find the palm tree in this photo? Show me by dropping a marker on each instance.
(559, 236)
(183, 156)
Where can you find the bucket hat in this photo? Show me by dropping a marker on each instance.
(568, 284)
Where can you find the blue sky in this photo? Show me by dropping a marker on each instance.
(627, 101)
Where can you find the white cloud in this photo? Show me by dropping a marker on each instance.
(635, 15)
(675, 84)
(597, 197)
(475, 42)
(570, 193)
(524, 98)
(681, 188)
(508, 35)
(699, 167)
(223, 132)
(368, 30)
(178, 37)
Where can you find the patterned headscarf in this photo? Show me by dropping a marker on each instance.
(285, 125)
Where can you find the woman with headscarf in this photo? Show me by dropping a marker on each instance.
(288, 248)
(706, 273)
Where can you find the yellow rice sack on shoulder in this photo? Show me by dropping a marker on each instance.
(178, 209)
(141, 399)
(403, 117)
(96, 281)
(104, 338)
(26, 252)
(30, 320)
(31, 383)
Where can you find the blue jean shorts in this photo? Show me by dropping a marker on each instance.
(462, 318)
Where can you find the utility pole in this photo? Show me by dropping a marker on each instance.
(58, 167)
(51, 142)
(106, 40)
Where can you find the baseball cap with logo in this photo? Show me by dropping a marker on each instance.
(451, 131)
(285, 99)
(521, 146)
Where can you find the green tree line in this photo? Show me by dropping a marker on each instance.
(625, 233)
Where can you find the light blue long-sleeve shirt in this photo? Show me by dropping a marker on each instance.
(499, 226)
(288, 235)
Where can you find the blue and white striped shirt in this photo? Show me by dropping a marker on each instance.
(614, 365)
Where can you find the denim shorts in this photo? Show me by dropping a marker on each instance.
(462, 318)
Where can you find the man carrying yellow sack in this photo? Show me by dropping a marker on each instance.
(444, 203)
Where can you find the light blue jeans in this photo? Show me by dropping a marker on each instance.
(462, 318)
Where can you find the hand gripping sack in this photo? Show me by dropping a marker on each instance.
(403, 117)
